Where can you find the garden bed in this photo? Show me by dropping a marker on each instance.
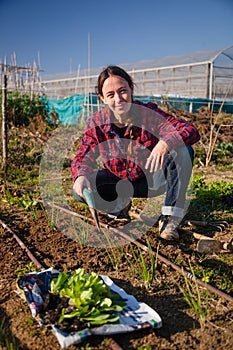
(209, 326)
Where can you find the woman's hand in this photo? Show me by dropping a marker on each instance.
(80, 183)
(157, 157)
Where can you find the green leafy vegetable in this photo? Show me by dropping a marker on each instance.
(92, 300)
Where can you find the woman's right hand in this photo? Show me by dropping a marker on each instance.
(80, 183)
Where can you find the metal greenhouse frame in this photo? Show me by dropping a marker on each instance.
(204, 74)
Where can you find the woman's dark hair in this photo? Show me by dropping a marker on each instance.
(109, 71)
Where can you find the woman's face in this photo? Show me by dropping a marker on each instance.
(118, 96)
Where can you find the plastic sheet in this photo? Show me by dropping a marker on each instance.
(136, 315)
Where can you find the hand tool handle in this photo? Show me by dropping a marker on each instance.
(194, 234)
(89, 197)
(91, 204)
(198, 223)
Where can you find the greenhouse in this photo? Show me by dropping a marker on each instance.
(187, 82)
(204, 74)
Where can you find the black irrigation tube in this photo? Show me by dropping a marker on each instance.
(166, 261)
(179, 269)
(22, 245)
(112, 343)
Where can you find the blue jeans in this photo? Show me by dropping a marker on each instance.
(112, 194)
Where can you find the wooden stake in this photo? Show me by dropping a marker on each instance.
(4, 126)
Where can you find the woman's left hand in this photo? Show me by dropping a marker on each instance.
(157, 157)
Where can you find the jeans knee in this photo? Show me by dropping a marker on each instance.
(185, 156)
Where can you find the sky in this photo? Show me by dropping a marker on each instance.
(64, 36)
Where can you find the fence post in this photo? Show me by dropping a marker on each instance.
(4, 126)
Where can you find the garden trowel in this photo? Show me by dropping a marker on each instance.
(91, 204)
(207, 244)
(210, 245)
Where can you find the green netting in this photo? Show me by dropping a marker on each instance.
(69, 110)
(75, 109)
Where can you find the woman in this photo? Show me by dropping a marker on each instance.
(144, 150)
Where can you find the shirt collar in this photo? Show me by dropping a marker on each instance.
(106, 126)
(108, 117)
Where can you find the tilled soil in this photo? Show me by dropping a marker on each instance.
(181, 327)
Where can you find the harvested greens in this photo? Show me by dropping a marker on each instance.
(88, 298)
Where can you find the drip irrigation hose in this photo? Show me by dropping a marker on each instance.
(177, 268)
(130, 238)
(22, 245)
(112, 343)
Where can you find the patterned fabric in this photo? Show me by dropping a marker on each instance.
(126, 156)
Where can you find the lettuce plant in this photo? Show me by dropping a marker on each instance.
(90, 298)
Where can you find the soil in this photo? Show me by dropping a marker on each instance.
(51, 312)
(181, 328)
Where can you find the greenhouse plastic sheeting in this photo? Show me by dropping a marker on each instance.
(135, 315)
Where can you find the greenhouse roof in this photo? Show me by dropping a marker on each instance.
(201, 56)
(223, 56)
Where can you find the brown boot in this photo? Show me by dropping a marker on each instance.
(168, 228)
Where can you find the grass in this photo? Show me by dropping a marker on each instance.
(6, 339)
(83, 234)
(217, 272)
(196, 298)
(140, 266)
(115, 256)
(30, 267)
(205, 205)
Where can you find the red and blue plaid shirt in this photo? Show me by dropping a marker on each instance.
(149, 125)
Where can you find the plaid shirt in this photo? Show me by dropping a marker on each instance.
(149, 125)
